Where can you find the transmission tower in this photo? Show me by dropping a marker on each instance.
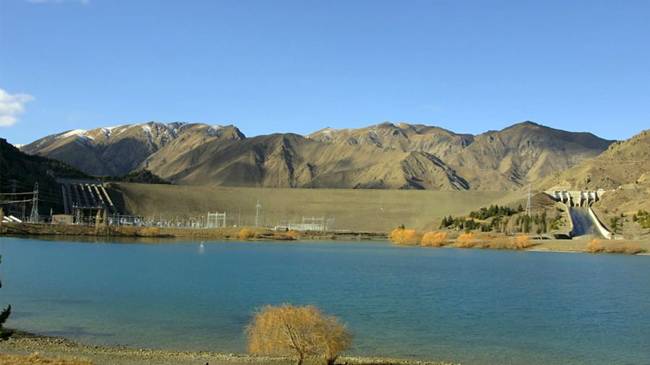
(34, 216)
(258, 209)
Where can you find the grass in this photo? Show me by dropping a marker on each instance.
(598, 246)
(351, 209)
(494, 241)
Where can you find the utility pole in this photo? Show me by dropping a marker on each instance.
(34, 216)
(258, 209)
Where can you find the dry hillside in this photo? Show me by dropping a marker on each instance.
(116, 151)
(624, 171)
(392, 156)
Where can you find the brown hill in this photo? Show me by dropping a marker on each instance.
(395, 156)
(116, 151)
(625, 162)
(624, 171)
(289, 160)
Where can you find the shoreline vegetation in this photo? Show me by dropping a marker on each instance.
(519, 242)
(30, 349)
(400, 236)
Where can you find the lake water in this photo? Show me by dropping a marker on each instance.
(468, 306)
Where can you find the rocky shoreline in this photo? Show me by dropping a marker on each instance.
(22, 343)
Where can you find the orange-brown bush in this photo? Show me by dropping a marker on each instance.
(521, 242)
(245, 234)
(294, 235)
(594, 246)
(403, 236)
(434, 239)
(302, 332)
(597, 246)
(466, 240)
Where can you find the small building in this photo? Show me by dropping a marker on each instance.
(62, 219)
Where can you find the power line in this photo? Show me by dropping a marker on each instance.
(29, 193)
(16, 201)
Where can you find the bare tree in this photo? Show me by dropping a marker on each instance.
(302, 332)
(334, 338)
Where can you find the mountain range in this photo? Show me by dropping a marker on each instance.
(386, 155)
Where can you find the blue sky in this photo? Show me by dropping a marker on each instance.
(298, 66)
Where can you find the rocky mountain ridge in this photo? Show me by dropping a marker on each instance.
(386, 155)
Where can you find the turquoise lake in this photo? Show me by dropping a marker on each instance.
(466, 306)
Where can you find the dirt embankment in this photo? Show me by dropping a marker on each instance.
(229, 233)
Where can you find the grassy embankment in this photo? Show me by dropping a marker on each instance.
(360, 210)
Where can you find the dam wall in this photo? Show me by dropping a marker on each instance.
(582, 199)
(600, 227)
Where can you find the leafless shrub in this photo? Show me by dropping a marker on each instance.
(302, 332)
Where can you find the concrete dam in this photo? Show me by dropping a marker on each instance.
(583, 219)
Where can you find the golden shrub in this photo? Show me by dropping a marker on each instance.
(246, 234)
(466, 240)
(595, 246)
(294, 235)
(303, 332)
(403, 236)
(434, 239)
(521, 242)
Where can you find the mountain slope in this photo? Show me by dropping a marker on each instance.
(625, 162)
(394, 156)
(624, 171)
(116, 151)
(523, 153)
(19, 172)
(495, 160)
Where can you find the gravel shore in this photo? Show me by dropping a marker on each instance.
(60, 348)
